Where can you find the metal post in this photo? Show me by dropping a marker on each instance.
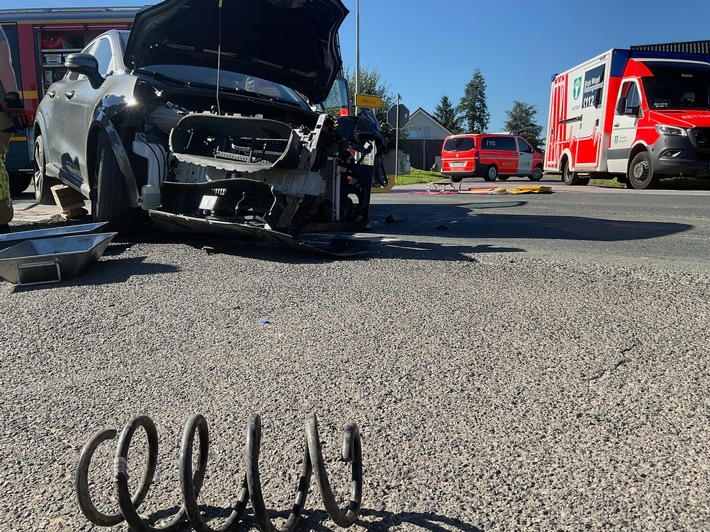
(396, 140)
(335, 216)
(357, 51)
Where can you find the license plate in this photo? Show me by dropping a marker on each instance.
(458, 165)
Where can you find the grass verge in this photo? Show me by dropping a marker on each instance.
(668, 183)
(415, 177)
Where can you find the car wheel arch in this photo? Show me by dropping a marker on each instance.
(565, 158)
(119, 152)
(635, 150)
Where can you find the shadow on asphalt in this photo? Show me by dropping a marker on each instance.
(462, 222)
(319, 521)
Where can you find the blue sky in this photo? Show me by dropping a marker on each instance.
(425, 49)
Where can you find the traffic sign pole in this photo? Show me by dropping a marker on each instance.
(396, 142)
(397, 115)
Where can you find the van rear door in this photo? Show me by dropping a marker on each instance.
(457, 156)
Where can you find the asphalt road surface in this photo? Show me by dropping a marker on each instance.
(534, 362)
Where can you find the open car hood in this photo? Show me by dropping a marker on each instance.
(291, 42)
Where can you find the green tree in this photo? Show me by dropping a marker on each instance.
(473, 107)
(448, 115)
(521, 120)
(371, 83)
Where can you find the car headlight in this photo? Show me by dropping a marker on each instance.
(671, 131)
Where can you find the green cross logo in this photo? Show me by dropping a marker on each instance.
(577, 88)
(616, 139)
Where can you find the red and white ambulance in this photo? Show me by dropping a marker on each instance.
(636, 115)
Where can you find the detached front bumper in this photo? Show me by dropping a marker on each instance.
(328, 244)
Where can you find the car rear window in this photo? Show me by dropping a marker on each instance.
(459, 144)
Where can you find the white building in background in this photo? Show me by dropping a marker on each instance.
(422, 125)
(425, 135)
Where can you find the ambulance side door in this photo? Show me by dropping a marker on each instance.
(627, 113)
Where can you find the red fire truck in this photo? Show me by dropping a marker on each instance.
(40, 40)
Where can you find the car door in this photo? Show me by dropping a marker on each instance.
(525, 157)
(508, 155)
(81, 100)
(623, 132)
(54, 115)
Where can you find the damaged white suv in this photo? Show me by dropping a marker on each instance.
(213, 116)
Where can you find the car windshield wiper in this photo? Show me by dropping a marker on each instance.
(161, 77)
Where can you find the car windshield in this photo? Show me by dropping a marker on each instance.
(207, 77)
(678, 86)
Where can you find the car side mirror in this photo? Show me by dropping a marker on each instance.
(87, 65)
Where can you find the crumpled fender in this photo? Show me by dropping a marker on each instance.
(109, 107)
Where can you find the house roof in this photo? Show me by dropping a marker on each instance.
(431, 117)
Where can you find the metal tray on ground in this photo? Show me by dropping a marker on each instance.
(10, 239)
(49, 260)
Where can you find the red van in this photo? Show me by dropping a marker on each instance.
(491, 156)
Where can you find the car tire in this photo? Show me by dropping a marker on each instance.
(43, 184)
(491, 173)
(109, 202)
(640, 174)
(572, 178)
(536, 174)
(455, 179)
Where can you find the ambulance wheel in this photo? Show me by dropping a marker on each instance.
(491, 173)
(455, 179)
(640, 175)
(572, 178)
(43, 184)
(536, 174)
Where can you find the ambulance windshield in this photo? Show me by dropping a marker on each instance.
(677, 85)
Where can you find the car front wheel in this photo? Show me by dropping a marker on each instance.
(110, 194)
(640, 174)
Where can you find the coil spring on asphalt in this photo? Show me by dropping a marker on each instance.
(191, 480)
